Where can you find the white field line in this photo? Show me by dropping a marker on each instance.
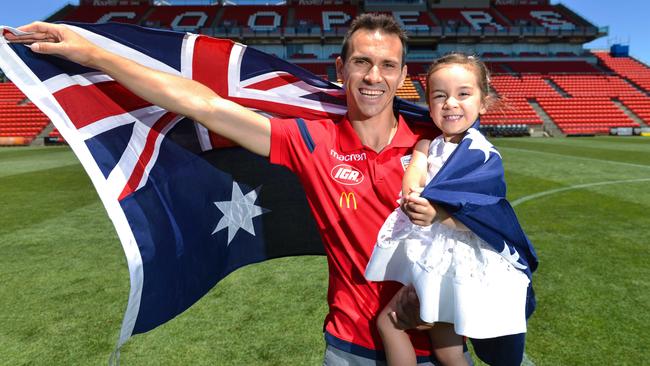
(576, 157)
(578, 186)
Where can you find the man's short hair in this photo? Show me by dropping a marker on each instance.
(373, 21)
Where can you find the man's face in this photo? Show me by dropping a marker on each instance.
(371, 74)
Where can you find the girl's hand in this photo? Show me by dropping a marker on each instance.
(56, 39)
(418, 209)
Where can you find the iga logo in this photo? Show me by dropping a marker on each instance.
(346, 174)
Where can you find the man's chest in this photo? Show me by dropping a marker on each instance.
(361, 180)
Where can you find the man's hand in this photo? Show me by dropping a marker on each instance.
(56, 39)
(407, 313)
(418, 209)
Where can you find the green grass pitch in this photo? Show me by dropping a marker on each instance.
(584, 202)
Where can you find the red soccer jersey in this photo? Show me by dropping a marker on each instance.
(351, 189)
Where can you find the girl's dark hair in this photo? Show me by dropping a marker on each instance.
(471, 62)
(373, 21)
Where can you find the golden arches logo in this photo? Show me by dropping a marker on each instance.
(349, 197)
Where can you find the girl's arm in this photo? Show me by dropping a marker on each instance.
(419, 209)
(416, 172)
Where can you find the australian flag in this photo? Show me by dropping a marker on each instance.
(471, 187)
(189, 207)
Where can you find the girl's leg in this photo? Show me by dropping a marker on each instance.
(397, 344)
(447, 345)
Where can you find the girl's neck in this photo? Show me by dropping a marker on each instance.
(454, 139)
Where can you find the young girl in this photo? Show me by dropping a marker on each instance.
(464, 286)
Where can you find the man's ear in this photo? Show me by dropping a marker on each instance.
(403, 76)
(339, 68)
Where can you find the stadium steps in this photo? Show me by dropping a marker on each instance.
(509, 70)
(557, 88)
(629, 113)
(40, 139)
(549, 126)
(420, 90)
(635, 85)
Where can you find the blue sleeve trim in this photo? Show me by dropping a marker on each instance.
(306, 136)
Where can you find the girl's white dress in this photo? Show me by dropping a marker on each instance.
(458, 277)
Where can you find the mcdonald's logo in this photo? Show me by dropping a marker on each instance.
(349, 198)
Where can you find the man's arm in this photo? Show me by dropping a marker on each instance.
(176, 94)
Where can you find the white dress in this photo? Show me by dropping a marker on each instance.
(458, 277)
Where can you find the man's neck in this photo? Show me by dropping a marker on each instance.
(376, 132)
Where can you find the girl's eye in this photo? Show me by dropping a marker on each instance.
(438, 96)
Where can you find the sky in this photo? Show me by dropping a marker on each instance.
(625, 19)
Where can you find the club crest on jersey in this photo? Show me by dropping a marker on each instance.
(405, 160)
(347, 174)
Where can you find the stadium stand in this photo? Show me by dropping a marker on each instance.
(639, 105)
(476, 19)
(327, 17)
(408, 91)
(105, 14)
(187, 18)
(628, 68)
(534, 50)
(585, 115)
(547, 67)
(18, 118)
(549, 17)
(594, 85)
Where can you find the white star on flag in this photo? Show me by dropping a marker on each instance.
(513, 258)
(479, 142)
(238, 213)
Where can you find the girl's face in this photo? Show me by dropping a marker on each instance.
(455, 100)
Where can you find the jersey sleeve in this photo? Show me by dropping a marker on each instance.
(292, 142)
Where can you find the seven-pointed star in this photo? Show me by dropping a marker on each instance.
(238, 213)
(479, 142)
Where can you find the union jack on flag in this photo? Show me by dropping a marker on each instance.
(186, 215)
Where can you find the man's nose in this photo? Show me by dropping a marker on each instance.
(373, 75)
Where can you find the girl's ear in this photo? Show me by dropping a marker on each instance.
(485, 104)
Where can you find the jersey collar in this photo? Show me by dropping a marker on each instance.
(349, 140)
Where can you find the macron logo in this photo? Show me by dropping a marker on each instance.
(346, 174)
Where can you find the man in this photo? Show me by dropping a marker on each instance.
(351, 170)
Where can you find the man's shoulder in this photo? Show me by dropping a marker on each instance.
(424, 130)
